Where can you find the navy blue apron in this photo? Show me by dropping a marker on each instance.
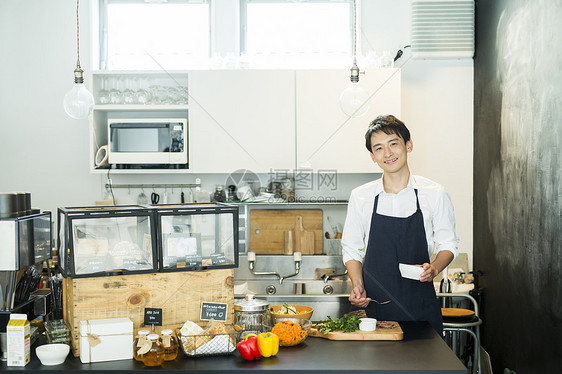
(394, 240)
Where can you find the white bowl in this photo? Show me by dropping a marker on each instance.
(52, 354)
(367, 324)
(410, 271)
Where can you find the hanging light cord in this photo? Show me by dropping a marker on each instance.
(354, 29)
(78, 30)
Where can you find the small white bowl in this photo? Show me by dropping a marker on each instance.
(410, 271)
(52, 354)
(367, 324)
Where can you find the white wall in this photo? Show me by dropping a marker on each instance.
(45, 152)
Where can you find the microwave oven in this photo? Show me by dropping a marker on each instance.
(161, 142)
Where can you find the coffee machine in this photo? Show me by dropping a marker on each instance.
(25, 241)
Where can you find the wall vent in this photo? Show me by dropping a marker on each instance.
(442, 29)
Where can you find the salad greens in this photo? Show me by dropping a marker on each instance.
(346, 324)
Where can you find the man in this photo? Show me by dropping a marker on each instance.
(399, 218)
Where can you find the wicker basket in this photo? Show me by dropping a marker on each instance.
(209, 344)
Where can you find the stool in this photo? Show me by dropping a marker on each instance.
(469, 325)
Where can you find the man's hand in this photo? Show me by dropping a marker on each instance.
(358, 297)
(429, 272)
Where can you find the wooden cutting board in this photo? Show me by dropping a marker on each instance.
(394, 333)
(268, 229)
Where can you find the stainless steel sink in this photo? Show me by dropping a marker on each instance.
(327, 298)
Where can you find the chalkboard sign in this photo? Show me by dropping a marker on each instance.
(216, 311)
(152, 316)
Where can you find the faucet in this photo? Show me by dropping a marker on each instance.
(297, 257)
(327, 277)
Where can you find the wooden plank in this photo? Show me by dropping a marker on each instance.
(394, 333)
(179, 294)
(268, 226)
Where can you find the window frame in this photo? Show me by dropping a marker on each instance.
(244, 21)
(102, 24)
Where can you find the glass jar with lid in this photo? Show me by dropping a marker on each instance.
(170, 344)
(251, 316)
(154, 356)
(140, 340)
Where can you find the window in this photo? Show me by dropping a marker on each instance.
(305, 32)
(151, 35)
(192, 34)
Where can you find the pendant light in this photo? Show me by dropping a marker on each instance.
(354, 100)
(78, 102)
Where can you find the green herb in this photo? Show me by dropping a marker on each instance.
(345, 324)
(289, 309)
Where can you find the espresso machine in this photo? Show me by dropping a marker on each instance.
(25, 242)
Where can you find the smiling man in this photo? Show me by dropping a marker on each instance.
(399, 218)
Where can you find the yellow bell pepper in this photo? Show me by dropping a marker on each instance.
(268, 343)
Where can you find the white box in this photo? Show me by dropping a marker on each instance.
(107, 339)
(18, 340)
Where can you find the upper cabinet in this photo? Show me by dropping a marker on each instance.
(326, 137)
(260, 120)
(242, 119)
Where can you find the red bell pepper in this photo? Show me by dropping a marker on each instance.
(248, 347)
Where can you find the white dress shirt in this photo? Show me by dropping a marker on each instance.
(435, 204)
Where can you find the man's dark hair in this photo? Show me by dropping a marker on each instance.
(389, 125)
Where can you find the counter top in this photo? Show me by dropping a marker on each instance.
(421, 351)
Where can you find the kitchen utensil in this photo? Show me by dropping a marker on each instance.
(304, 239)
(268, 227)
(251, 315)
(142, 198)
(410, 271)
(154, 198)
(367, 324)
(282, 324)
(288, 243)
(334, 227)
(52, 354)
(380, 302)
(303, 312)
(393, 333)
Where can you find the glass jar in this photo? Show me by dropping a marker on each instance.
(251, 316)
(139, 342)
(171, 345)
(155, 354)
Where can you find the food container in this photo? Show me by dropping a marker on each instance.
(367, 324)
(216, 340)
(303, 312)
(52, 354)
(106, 241)
(57, 332)
(171, 345)
(138, 343)
(154, 355)
(251, 315)
(291, 331)
(410, 271)
(107, 339)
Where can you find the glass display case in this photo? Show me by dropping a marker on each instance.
(113, 240)
(197, 236)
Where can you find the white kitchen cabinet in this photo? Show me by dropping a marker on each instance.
(326, 137)
(241, 119)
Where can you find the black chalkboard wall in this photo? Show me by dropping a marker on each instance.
(517, 182)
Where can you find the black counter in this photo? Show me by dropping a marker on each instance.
(421, 351)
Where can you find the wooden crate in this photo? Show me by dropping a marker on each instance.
(178, 294)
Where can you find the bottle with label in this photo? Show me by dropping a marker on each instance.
(139, 342)
(18, 340)
(153, 356)
(171, 345)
